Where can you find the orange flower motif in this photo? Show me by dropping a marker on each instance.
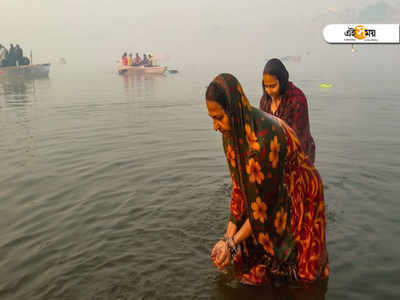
(280, 221)
(230, 154)
(245, 102)
(264, 240)
(251, 138)
(274, 154)
(259, 210)
(254, 170)
(258, 274)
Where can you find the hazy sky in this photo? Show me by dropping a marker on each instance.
(187, 32)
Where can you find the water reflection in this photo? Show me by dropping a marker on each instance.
(317, 291)
(17, 96)
(16, 91)
(16, 88)
(141, 85)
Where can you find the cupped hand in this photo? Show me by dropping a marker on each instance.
(220, 255)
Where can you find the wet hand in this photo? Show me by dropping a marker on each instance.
(220, 255)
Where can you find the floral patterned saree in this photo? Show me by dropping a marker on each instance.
(278, 189)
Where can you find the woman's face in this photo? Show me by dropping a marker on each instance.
(271, 84)
(220, 118)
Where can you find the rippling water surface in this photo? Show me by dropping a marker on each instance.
(117, 188)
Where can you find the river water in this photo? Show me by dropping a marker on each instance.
(117, 187)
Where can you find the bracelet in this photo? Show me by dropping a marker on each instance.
(233, 249)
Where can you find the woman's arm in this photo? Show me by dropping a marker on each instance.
(231, 229)
(243, 233)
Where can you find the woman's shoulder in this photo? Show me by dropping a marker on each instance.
(295, 95)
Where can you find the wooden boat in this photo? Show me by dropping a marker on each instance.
(141, 69)
(29, 71)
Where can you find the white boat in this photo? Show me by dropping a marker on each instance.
(141, 69)
(30, 71)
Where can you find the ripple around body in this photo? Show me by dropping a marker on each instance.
(119, 190)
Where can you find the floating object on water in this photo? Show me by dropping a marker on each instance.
(173, 71)
(325, 85)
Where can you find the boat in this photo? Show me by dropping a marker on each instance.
(141, 69)
(28, 71)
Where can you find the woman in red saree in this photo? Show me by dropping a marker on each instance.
(276, 230)
(284, 100)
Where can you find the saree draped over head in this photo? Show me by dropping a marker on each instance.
(293, 108)
(277, 188)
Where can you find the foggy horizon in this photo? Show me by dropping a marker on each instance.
(178, 32)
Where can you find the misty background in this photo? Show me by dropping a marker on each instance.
(115, 187)
(225, 36)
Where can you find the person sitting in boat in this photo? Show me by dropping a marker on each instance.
(153, 60)
(145, 61)
(11, 58)
(124, 59)
(25, 61)
(19, 55)
(149, 64)
(130, 60)
(137, 60)
(3, 56)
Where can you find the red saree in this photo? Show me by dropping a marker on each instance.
(278, 189)
(307, 222)
(293, 109)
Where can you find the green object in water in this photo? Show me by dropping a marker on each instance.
(325, 85)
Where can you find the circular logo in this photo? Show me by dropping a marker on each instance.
(359, 32)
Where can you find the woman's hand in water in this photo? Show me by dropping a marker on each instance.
(220, 255)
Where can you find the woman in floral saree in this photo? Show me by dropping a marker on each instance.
(276, 230)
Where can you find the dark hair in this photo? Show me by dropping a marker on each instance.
(216, 93)
(276, 68)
